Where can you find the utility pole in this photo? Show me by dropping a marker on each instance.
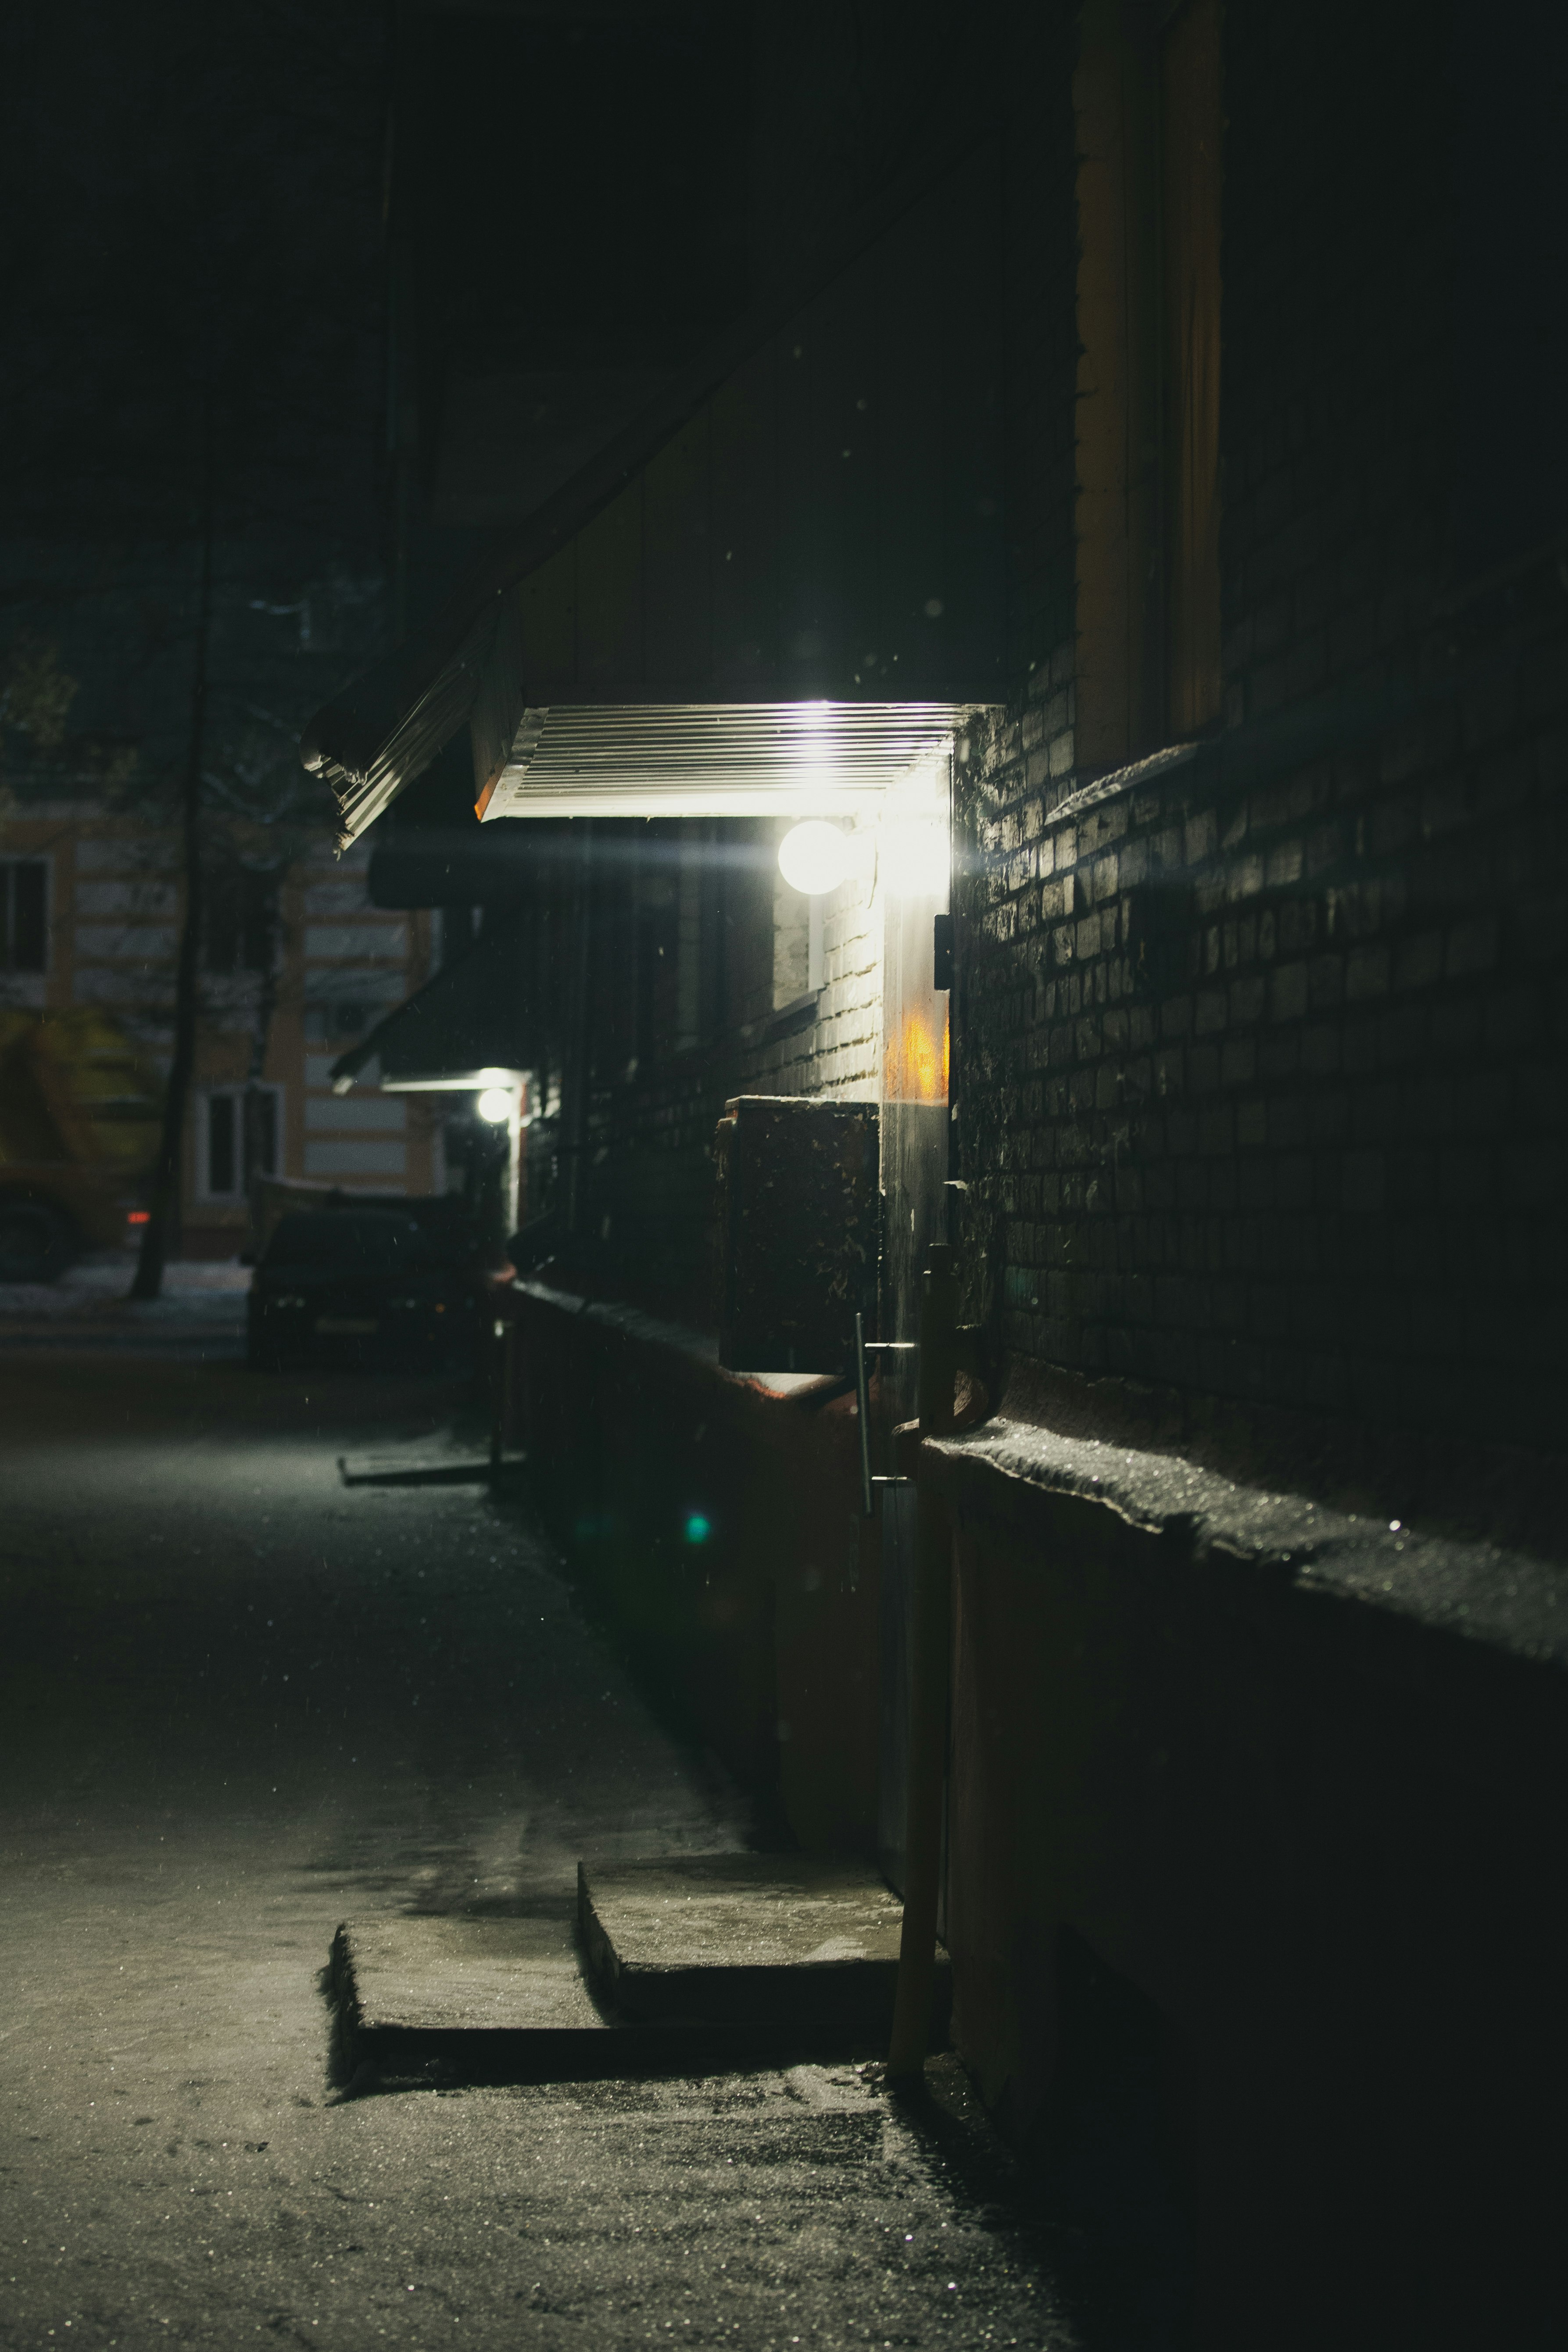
(164, 1217)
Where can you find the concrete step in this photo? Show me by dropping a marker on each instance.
(464, 1999)
(416, 1973)
(786, 1942)
(681, 1964)
(423, 1469)
(481, 1999)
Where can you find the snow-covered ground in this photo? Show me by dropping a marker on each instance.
(197, 1288)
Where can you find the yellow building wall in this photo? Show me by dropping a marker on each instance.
(115, 903)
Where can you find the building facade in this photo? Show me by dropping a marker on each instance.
(295, 965)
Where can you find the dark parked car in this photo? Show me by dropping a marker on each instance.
(365, 1286)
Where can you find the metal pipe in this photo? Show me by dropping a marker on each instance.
(930, 1640)
(863, 1407)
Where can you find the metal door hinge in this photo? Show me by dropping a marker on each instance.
(941, 952)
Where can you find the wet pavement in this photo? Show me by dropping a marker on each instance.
(241, 1701)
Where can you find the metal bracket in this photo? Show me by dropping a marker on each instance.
(864, 1347)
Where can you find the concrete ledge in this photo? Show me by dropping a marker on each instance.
(1288, 1781)
(715, 1517)
(1481, 1591)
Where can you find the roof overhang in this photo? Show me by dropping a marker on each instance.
(781, 592)
(471, 1025)
(448, 1082)
(694, 759)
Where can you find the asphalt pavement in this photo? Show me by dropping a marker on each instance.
(240, 1702)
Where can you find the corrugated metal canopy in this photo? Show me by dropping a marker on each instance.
(715, 759)
(784, 592)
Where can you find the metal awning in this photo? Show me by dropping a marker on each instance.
(785, 588)
(800, 758)
(469, 1024)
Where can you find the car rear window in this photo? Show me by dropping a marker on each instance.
(380, 1243)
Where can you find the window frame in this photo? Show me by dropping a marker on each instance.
(257, 918)
(1148, 123)
(207, 1096)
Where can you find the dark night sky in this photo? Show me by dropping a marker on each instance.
(198, 196)
(193, 198)
(192, 192)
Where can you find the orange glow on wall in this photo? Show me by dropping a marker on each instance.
(916, 1066)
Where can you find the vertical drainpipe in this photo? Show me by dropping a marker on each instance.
(931, 1630)
(930, 1660)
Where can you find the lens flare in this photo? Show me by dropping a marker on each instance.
(915, 858)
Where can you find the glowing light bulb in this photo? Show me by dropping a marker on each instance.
(815, 856)
(495, 1104)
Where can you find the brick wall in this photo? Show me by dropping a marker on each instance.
(838, 1049)
(1259, 1057)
